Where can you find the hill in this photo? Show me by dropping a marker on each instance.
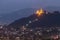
(45, 20)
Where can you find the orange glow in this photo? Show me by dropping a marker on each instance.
(39, 12)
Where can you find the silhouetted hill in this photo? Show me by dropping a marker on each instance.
(45, 20)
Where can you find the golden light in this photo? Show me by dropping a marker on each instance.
(39, 12)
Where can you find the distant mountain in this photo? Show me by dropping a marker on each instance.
(45, 20)
(52, 8)
(10, 17)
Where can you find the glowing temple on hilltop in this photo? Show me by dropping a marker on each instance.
(39, 12)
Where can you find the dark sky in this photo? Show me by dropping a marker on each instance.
(7, 6)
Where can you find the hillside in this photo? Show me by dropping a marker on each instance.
(45, 20)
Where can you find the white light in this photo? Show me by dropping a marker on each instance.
(26, 24)
(36, 19)
(1, 27)
(30, 22)
(46, 12)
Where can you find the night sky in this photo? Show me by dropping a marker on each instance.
(7, 6)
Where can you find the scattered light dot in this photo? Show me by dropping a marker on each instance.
(30, 22)
(36, 19)
(26, 24)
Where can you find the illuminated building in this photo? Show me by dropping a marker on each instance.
(39, 12)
